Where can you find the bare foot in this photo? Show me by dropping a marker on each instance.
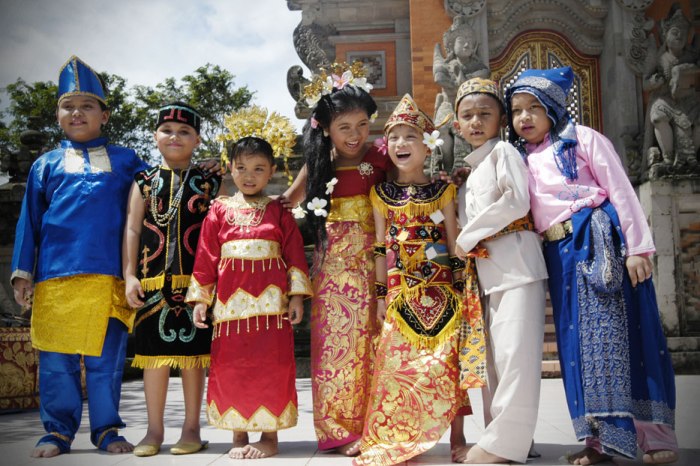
(45, 450)
(350, 449)
(240, 446)
(459, 453)
(120, 447)
(266, 447)
(588, 456)
(478, 455)
(660, 457)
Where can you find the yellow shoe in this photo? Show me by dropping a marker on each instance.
(146, 450)
(186, 448)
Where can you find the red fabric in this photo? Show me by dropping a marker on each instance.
(351, 182)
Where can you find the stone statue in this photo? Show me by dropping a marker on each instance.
(315, 52)
(461, 63)
(672, 129)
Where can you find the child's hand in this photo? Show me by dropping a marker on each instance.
(381, 310)
(459, 252)
(199, 315)
(23, 291)
(296, 309)
(212, 166)
(134, 292)
(639, 268)
(286, 203)
(459, 175)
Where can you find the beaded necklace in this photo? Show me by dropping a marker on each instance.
(244, 213)
(163, 220)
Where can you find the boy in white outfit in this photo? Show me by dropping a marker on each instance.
(498, 233)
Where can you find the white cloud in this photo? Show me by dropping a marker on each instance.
(148, 41)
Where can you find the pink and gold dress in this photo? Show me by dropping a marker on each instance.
(343, 312)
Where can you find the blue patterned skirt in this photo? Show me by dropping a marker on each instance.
(614, 361)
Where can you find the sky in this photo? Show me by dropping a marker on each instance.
(147, 41)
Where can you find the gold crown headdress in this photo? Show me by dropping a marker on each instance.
(334, 78)
(408, 113)
(255, 121)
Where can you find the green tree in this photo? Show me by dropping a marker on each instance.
(210, 89)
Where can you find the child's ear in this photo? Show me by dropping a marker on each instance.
(504, 120)
(455, 124)
(105, 117)
(274, 168)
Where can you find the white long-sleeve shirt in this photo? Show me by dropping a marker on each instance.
(495, 195)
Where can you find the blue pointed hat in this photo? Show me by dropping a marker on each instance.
(77, 78)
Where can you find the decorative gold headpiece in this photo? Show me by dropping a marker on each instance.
(334, 78)
(477, 86)
(408, 113)
(255, 121)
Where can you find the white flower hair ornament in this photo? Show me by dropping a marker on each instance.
(373, 117)
(330, 186)
(299, 212)
(335, 78)
(433, 140)
(318, 206)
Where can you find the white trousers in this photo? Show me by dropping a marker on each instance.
(515, 322)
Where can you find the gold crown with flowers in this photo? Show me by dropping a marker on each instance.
(257, 122)
(335, 77)
(408, 113)
(477, 86)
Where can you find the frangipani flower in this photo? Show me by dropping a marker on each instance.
(373, 117)
(433, 139)
(362, 84)
(341, 81)
(318, 207)
(330, 186)
(382, 145)
(299, 211)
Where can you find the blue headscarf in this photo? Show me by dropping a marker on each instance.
(550, 87)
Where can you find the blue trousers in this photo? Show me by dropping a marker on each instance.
(60, 393)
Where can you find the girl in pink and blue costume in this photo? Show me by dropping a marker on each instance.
(616, 368)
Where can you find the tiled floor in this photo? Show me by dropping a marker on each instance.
(554, 436)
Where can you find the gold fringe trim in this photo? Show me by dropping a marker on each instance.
(178, 362)
(157, 282)
(424, 341)
(412, 209)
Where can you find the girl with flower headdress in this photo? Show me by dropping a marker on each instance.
(415, 393)
(250, 266)
(615, 365)
(340, 170)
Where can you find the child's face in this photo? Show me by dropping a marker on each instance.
(530, 118)
(406, 148)
(81, 117)
(251, 173)
(479, 118)
(175, 142)
(349, 132)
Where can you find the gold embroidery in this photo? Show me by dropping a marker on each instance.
(251, 249)
(99, 160)
(73, 161)
(242, 305)
(299, 282)
(181, 362)
(352, 209)
(262, 419)
(144, 269)
(197, 292)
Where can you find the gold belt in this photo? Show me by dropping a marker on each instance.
(558, 231)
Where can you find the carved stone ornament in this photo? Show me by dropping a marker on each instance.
(467, 8)
(635, 5)
(637, 44)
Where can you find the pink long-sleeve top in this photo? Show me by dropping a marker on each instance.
(600, 176)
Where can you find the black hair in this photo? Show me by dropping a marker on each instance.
(247, 146)
(317, 148)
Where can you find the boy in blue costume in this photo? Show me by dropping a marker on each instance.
(68, 254)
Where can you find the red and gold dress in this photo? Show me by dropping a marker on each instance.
(250, 259)
(415, 391)
(343, 310)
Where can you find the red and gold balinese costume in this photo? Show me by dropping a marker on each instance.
(250, 259)
(343, 311)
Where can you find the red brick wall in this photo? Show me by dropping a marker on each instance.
(428, 21)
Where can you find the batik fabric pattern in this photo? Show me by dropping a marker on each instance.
(343, 311)
(615, 364)
(164, 332)
(250, 259)
(415, 391)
